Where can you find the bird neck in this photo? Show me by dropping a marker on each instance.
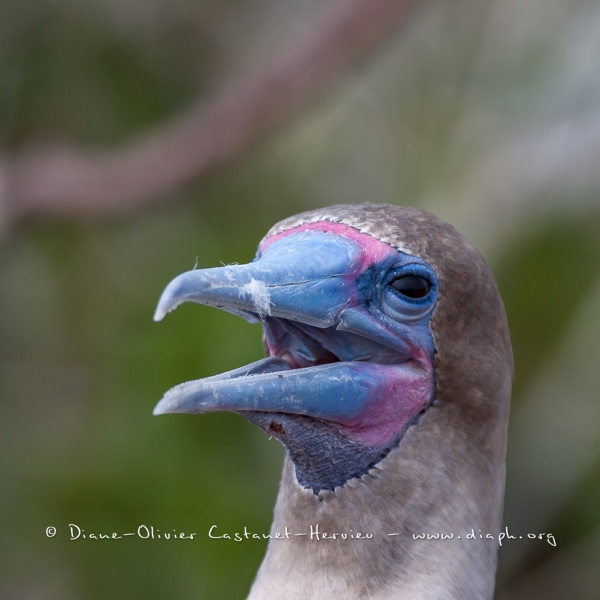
(380, 536)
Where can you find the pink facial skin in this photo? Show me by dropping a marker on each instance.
(397, 389)
(406, 392)
(373, 250)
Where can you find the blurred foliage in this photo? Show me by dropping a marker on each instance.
(546, 261)
(82, 364)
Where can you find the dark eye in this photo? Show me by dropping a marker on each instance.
(411, 286)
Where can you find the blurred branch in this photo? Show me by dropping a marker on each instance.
(525, 176)
(77, 182)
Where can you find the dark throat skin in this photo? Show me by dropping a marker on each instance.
(323, 457)
(409, 492)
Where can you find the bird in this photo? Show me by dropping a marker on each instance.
(387, 380)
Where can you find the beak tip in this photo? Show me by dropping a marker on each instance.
(173, 403)
(172, 296)
(161, 408)
(166, 304)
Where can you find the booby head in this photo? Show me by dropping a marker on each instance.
(368, 314)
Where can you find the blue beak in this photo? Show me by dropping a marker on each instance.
(301, 278)
(333, 358)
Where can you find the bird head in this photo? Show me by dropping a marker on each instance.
(372, 314)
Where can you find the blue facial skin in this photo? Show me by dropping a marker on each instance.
(323, 456)
(394, 312)
(332, 329)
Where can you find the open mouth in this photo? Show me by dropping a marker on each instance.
(350, 354)
(337, 353)
(298, 345)
(305, 367)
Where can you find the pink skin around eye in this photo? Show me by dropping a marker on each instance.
(403, 390)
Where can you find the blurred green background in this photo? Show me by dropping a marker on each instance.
(486, 113)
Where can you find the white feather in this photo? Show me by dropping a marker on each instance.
(260, 296)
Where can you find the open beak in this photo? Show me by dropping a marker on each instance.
(303, 288)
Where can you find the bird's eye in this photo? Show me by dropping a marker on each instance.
(411, 286)
(410, 292)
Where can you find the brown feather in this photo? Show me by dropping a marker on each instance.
(447, 474)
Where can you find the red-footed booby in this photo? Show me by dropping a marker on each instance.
(388, 382)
